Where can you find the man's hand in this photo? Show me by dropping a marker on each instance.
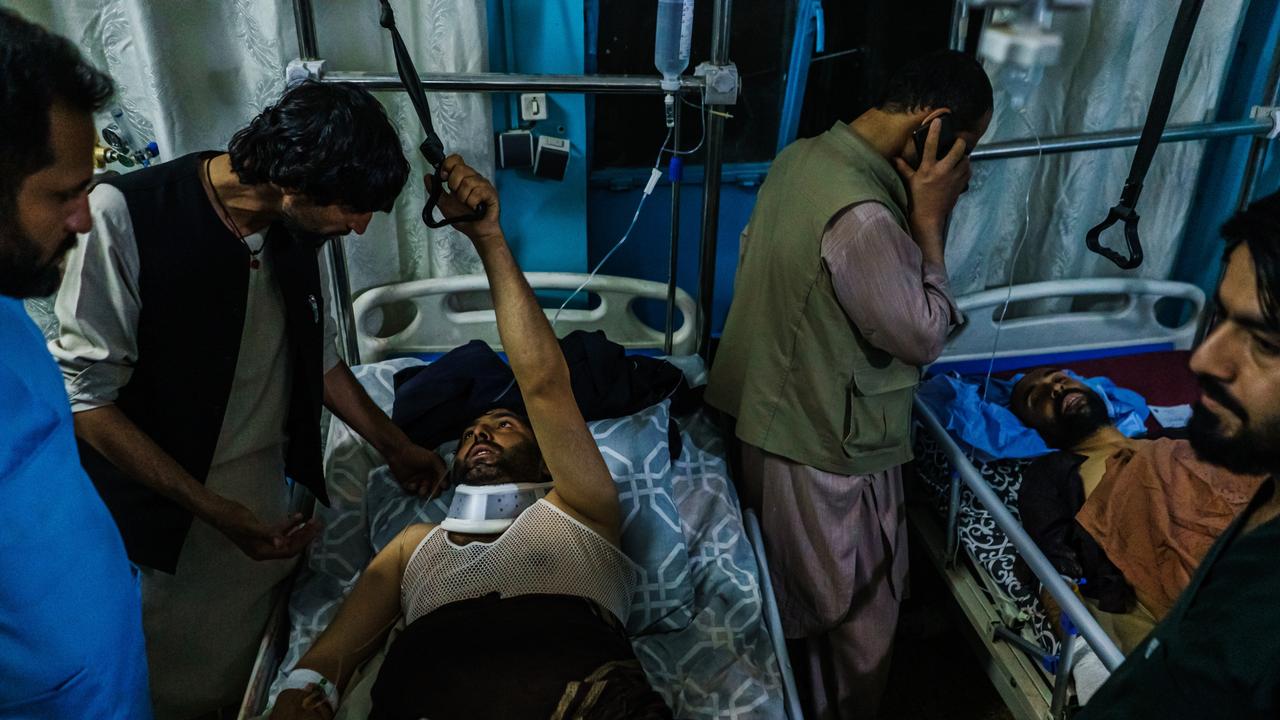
(935, 187)
(257, 539)
(419, 471)
(301, 705)
(467, 190)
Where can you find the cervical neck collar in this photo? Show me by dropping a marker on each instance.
(491, 509)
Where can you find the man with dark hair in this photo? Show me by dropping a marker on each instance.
(516, 614)
(844, 297)
(1217, 653)
(1127, 520)
(195, 345)
(71, 640)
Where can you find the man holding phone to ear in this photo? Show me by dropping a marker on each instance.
(842, 297)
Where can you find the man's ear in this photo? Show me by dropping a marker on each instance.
(933, 114)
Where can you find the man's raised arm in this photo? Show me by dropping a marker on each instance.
(581, 476)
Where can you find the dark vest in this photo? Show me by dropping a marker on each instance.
(193, 283)
(797, 374)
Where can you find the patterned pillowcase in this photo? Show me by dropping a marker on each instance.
(637, 450)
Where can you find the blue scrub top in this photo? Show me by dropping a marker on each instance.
(71, 641)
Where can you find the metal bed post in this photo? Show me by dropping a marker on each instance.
(674, 251)
(1066, 663)
(1071, 605)
(953, 519)
(959, 24)
(1258, 149)
(339, 279)
(304, 20)
(720, 27)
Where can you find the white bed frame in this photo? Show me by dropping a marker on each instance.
(1131, 323)
(437, 327)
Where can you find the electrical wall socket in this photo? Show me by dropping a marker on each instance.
(533, 106)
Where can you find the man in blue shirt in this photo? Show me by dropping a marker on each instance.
(71, 640)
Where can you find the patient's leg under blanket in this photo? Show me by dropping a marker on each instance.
(523, 657)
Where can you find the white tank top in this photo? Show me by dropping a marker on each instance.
(545, 552)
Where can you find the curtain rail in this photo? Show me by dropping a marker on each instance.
(1125, 137)
(515, 82)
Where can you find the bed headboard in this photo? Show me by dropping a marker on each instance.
(1128, 320)
(438, 327)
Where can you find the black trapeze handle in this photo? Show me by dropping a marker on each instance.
(1157, 116)
(432, 148)
(1129, 216)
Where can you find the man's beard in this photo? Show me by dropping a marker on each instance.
(1250, 451)
(1071, 428)
(517, 464)
(299, 226)
(22, 272)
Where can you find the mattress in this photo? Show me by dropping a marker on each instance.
(696, 619)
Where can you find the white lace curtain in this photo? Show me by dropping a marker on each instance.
(189, 74)
(1111, 55)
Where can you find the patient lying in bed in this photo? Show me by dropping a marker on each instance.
(1127, 519)
(514, 605)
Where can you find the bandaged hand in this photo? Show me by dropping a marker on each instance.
(301, 705)
(419, 471)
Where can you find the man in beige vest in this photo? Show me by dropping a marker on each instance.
(842, 297)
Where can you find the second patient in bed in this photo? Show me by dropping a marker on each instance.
(1127, 519)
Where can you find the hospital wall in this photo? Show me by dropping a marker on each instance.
(546, 220)
(572, 224)
(1225, 159)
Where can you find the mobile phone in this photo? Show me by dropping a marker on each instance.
(946, 137)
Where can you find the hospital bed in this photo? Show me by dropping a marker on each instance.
(704, 622)
(1137, 331)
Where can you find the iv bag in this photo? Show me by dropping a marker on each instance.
(671, 44)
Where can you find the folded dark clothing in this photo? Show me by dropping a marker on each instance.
(525, 657)
(435, 402)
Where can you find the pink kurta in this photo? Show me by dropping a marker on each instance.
(837, 544)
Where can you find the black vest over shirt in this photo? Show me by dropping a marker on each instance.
(193, 282)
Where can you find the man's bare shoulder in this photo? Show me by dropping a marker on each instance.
(403, 545)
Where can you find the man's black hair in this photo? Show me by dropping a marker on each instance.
(37, 70)
(330, 142)
(945, 78)
(1258, 227)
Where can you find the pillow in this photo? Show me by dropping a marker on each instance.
(975, 411)
(636, 449)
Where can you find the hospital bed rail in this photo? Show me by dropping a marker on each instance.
(436, 307)
(1051, 322)
(773, 620)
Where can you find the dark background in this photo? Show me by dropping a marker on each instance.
(881, 34)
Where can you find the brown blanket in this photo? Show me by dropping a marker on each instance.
(1156, 513)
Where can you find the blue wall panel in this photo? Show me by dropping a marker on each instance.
(545, 220)
(1221, 174)
(645, 255)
